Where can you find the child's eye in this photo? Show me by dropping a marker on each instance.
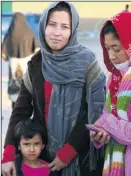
(26, 144)
(37, 143)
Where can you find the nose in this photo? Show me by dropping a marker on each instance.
(57, 31)
(111, 54)
(32, 148)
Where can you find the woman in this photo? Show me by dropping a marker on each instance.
(18, 47)
(63, 100)
(116, 118)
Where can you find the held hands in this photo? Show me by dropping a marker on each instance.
(101, 137)
(8, 169)
(57, 164)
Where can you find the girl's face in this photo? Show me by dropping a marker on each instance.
(31, 148)
(116, 52)
(58, 30)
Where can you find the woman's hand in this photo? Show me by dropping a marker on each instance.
(101, 137)
(8, 169)
(57, 164)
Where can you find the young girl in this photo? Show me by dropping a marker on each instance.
(116, 117)
(30, 141)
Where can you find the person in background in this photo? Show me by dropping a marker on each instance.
(126, 8)
(19, 44)
(64, 89)
(115, 120)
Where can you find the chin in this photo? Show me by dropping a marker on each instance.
(32, 157)
(115, 62)
(56, 48)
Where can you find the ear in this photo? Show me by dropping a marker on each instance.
(43, 146)
(19, 147)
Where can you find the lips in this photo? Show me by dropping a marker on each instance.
(31, 154)
(55, 40)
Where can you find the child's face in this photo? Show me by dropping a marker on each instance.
(31, 148)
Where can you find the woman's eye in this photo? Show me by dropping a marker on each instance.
(65, 27)
(51, 24)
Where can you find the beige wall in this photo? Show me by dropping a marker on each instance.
(85, 9)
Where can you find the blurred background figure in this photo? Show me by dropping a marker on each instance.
(126, 8)
(19, 44)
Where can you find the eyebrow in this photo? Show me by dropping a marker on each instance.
(30, 142)
(113, 45)
(62, 23)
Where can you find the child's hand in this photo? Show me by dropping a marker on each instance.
(100, 137)
(56, 164)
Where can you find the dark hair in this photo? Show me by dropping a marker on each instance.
(28, 129)
(61, 6)
(127, 6)
(109, 28)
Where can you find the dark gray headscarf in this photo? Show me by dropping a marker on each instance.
(66, 71)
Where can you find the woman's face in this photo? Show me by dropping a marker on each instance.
(116, 52)
(58, 30)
